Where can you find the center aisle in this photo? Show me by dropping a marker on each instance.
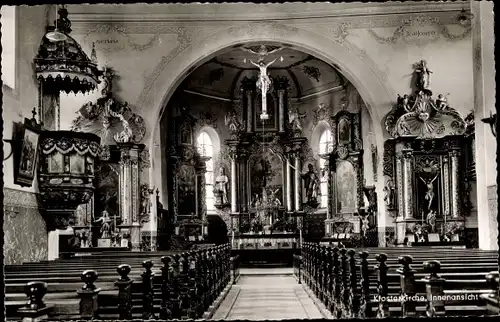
(263, 294)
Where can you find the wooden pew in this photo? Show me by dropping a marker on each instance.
(199, 276)
(327, 271)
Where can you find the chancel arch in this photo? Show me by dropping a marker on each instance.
(374, 91)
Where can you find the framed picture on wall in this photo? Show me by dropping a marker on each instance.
(26, 165)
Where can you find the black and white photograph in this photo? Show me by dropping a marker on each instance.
(249, 161)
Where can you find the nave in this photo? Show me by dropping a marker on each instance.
(325, 282)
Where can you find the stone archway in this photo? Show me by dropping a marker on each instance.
(376, 93)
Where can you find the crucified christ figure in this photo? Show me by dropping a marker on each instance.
(263, 83)
(429, 195)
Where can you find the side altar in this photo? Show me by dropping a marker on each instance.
(428, 159)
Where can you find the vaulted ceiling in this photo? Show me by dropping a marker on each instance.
(221, 76)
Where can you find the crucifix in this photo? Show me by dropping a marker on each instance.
(264, 81)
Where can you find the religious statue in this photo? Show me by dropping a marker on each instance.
(431, 220)
(404, 102)
(294, 118)
(389, 194)
(312, 184)
(125, 135)
(429, 195)
(273, 198)
(145, 201)
(441, 102)
(424, 76)
(264, 82)
(221, 185)
(105, 227)
(231, 121)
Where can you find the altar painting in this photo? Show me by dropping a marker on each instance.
(186, 190)
(266, 172)
(106, 193)
(346, 188)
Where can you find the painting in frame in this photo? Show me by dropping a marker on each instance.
(27, 156)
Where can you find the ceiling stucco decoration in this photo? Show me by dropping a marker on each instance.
(420, 31)
(266, 29)
(185, 37)
(120, 38)
(312, 72)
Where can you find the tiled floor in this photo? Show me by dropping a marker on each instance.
(272, 296)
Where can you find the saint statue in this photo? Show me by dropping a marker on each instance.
(389, 194)
(221, 185)
(424, 76)
(312, 184)
(105, 227)
(294, 118)
(431, 220)
(429, 195)
(231, 121)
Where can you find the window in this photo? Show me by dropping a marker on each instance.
(9, 30)
(206, 147)
(325, 142)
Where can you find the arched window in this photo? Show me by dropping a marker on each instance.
(325, 141)
(205, 145)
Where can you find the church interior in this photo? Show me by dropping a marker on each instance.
(178, 161)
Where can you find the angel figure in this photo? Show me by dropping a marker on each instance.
(404, 102)
(442, 102)
(429, 195)
(295, 118)
(424, 76)
(231, 121)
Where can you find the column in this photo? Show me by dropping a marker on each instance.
(289, 204)
(455, 181)
(400, 186)
(249, 93)
(330, 209)
(446, 185)
(130, 191)
(408, 185)
(484, 103)
(298, 184)
(282, 97)
(234, 207)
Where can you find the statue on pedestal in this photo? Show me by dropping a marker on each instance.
(431, 220)
(221, 186)
(424, 76)
(389, 194)
(311, 185)
(105, 227)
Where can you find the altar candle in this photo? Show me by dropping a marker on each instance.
(300, 238)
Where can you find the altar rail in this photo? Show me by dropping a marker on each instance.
(192, 283)
(350, 287)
